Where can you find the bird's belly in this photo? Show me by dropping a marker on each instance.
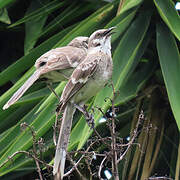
(91, 89)
(94, 84)
(58, 75)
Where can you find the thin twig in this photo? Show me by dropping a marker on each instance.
(29, 155)
(135, 134)
(113, 144)
(101, 166)
(159, 178)
(101, 139)
(75, 166)
(89, 168)
(34, 149)
(77, 163)
(53, 91)
(57, 114)
(55, 128)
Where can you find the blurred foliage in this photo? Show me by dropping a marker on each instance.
(146, 76)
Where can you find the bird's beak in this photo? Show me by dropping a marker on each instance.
(109, 31)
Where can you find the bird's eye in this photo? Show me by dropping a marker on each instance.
(85, 44)
(97, 44)
(42, 64)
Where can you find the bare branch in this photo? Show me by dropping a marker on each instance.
(101, 166)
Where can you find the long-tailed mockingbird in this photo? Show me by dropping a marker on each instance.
(55, 65)
(86, 80)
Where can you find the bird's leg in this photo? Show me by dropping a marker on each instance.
(53, 91)
(49, 85)
(89, 117)
(65, 77)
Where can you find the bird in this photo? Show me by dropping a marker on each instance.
(88, 78)
(54, 66)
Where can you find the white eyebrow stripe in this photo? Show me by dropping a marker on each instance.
(96, 41)
(81, 80)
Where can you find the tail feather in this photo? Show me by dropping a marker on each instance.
(61, 148)
(18, 94)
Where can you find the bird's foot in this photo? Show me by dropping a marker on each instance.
(58, 108)
(88, 116)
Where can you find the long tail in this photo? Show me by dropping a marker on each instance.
(61, 148)
(17, 95)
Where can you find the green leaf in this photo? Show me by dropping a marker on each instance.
(134, 83)
(27, 61)
(4, 3)
(9, 93)
(45, 10)
(82, 29)
(87, 26)
(169, 58)
(41, 123)
(33, 28)
(124, 59)
(121, 22)
(71, 13)
(14, 131)
(170, 15)
(4, 16)
(16, 114)
(128, 4)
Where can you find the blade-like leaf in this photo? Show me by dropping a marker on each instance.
(169, 14)
(128, 4)
(134, 83)
(178, 164)
(124, 58)
(5, 3)
(27, 61)
(45, 10)
(24, 140)
(4, 16)
(14, 131)
(83, 29)
(128, 91)
(121, 22)
(169, 58)
(71, 13)
(87, 26)
(33, 27)
(41, 123)
(16, 114)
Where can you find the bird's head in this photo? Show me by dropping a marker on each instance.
(80, 42)
(101, 39)
(49, 60)
(42, 62)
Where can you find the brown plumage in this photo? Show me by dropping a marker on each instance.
(89, 77)
(55, 65)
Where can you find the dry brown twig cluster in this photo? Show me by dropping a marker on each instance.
(115, 149)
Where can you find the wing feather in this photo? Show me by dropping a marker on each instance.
(63, 58)
(78, 79)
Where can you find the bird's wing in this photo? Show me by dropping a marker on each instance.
(79, 78)
(63, 58)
